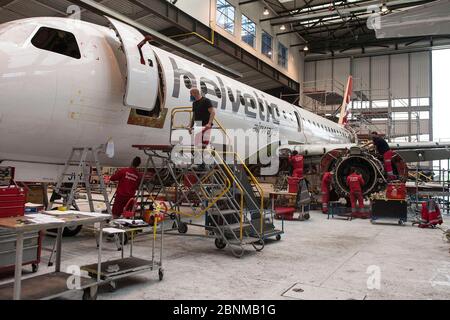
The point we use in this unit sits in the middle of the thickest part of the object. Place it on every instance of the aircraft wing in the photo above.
(422, 151)
(409, 151)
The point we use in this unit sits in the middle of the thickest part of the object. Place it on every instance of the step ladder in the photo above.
(77, 167)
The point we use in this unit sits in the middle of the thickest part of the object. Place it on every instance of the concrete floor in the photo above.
(317, 259)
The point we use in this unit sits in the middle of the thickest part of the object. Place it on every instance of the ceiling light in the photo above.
(283, 27)
(266, 11)
(384, 8)
(306, 48)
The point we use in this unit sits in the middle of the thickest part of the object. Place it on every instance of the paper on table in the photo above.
(33, 205)
(89, 214)
(42, 218)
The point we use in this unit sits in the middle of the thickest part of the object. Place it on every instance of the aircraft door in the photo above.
(142, 68)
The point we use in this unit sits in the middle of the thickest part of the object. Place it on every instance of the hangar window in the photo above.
(248, 31)
(225, 15)
(282, 55)
(57, 41)
(230, 95)
(266, 44)
(187, 82)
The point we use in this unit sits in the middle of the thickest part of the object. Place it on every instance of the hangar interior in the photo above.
(336, 71)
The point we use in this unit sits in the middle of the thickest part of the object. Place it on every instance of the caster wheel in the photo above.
(90, 294)
(35, 267)
(220, 244)
(278, 237)
(161, 274)
(401, 222)
(183, 228)
(258, 245)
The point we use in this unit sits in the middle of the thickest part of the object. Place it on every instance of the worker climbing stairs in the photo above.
(220, 195)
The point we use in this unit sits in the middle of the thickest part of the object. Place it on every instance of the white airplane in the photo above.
(67, 83)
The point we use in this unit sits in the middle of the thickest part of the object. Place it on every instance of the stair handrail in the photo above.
(188, 110)
(256, 183)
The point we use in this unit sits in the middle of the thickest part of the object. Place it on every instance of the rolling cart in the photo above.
(125, 267)
(54, 284)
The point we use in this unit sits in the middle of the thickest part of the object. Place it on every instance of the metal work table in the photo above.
(54, 284)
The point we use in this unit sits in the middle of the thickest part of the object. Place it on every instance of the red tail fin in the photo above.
(347, 98)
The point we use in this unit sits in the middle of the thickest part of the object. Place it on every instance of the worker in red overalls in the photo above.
(128, 182)
(326, 188)
(296, 161)
(355, 182)
(383, 149)
(430, 214)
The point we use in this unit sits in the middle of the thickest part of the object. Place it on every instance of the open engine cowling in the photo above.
(371, 168)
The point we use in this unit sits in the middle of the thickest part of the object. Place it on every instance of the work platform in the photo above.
(220, 188)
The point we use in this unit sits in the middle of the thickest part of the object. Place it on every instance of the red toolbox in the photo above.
(396, 191)
(12, 201)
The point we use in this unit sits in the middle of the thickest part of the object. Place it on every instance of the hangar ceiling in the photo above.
(340, 28)
(165, 18)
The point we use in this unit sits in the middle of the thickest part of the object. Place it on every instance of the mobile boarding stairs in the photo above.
(225, 193)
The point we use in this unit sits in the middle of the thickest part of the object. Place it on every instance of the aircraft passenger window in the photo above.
(230, 95)
(278, 112)
(284, 114)
(253, 104)
(261, 106)
(57, 41)
(187, 82)
(204, 88)
(218, 93)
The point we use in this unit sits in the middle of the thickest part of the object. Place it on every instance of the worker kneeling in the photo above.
(355, 182)
(326, 188)
(296, 161)
(128, 182)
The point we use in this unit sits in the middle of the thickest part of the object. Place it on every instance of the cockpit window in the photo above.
(57, 41)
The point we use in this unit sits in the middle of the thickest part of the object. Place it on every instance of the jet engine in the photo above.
(369, 165)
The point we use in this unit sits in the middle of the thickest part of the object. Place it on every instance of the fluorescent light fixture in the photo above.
(283, 27)
(266, 11)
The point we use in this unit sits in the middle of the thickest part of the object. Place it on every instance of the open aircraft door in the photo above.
(142, 68)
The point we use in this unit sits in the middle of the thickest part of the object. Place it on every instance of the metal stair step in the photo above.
(224, 212)
(237, 226)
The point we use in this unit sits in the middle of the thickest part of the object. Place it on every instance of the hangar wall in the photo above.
(397, 87)
(205, 12)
